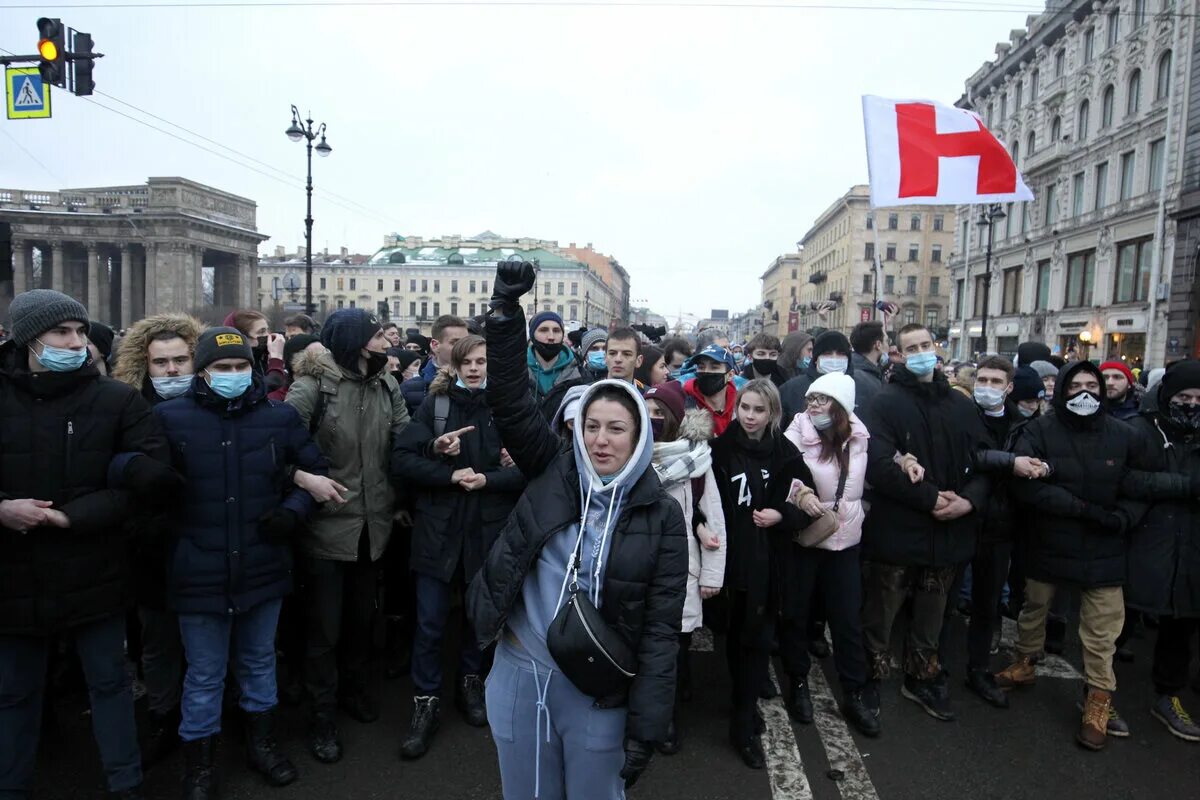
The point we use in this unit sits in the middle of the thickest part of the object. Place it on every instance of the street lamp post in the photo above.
(987, 219)
(297, 131)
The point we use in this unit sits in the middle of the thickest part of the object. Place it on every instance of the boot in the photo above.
(799, 705)
(749, 749)
(1093, 731)
(424, 726)
(359, 706)
(927, 695)
(671, 745)
(470, 701)
(162, 737)
(859, 714)
(324, 742)
(200, 775)
(981, 682)
(1019, 673)
(262, 752)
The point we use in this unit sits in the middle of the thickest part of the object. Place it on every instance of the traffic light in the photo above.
(81, 68)
(52, 50)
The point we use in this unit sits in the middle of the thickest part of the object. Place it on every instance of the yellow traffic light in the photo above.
(48, 50)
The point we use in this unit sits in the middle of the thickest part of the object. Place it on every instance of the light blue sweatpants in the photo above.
(553, 743)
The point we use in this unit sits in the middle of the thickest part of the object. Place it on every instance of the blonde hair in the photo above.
(765, 389)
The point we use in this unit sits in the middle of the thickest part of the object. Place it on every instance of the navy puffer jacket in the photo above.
(235, 456)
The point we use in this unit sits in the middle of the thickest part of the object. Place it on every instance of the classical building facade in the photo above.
(418, 280)
(1086, 99)
(836, 261)
(1183, 327)
(128, 251)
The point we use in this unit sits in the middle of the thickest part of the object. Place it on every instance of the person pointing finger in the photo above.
(449, 444)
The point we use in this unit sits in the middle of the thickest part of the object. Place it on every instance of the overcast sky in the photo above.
(694, 144)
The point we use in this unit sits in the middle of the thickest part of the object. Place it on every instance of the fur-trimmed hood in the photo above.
(133, 351)
(697, 426)
(316, 364)
(441, 383)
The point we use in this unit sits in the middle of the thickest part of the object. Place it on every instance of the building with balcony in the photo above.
(412, 281)
(836, 260)
(1085, 99)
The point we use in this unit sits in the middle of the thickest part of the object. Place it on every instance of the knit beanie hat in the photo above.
(101, 335)
(422, 342)
(1120, 366)
(347, 332)
(405, 357)
(1029, 352)
(545, 316)
(1179, 376)
(837, 385)
(34, 312)
(1044, 369)
(670, 394)
(591, 337)
(296, 345)
(217, 343)
(1027, 385)
(829, 342)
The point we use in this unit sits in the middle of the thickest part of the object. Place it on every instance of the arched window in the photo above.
(1016, 153)
(1106, 107)
(455, 258)
(1031, 144)
(1133, 95)
(1162, 81)
(1055, 130)
(396, 258)
(1081, 126)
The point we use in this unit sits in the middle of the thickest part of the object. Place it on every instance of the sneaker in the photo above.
(1019, 673)
(1093, 732)
(799, 705)
(982, 683)
(860, 715)
(927, 695)
(1117, 726)
(425, 722)
(1168, 710)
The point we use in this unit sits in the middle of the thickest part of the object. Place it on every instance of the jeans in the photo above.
(433, 609)
(832, 578)
(887, 587)
(101, 648)
(206, 639)
(1101, 615)
(1173, 653)
(162, 659)
(340, 603)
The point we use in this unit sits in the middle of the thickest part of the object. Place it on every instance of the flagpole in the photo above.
(878, 268)
(967, 283)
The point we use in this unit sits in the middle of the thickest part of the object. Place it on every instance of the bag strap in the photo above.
(318, 413)
(842, 472)
(441, 413)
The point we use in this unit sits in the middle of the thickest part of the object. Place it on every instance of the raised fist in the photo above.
(513, 280)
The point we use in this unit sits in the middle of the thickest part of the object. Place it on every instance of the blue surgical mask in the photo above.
(921, 364)
(804, 362)
(170, 386)
(830, 364)
(821, 421)
(1026, 412)
(230, 385)
(884, 358)
(460, 384)
(60, 359)
(739, 358)
(595, 360)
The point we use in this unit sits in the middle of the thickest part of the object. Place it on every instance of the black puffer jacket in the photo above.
(999, 514)
(451, 524)
(645, 576)
(942, 429)
(1164, 551)
(59, 433)
(1068, 540)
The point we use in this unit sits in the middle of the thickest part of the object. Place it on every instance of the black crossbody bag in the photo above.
(591, 654)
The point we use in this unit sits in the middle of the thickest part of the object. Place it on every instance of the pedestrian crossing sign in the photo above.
(28, 96)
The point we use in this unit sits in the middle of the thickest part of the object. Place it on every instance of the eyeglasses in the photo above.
(814, 400)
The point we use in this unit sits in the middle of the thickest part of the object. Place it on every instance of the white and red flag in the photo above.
(924, 153)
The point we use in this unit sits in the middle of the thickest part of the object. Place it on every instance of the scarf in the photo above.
(681, 460)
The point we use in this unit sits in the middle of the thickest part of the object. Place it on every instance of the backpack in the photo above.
(441, 412)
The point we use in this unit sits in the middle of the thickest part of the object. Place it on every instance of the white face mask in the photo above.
(989, 397)
(830, 364)
(1083, 404)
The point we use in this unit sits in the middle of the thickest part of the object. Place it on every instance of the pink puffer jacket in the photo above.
(804, 435)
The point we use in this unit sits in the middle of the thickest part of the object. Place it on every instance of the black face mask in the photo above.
(710, 384)
(261, 344)
(765, 366)
(1184, 417)
(548, 352)
(656, 426)
(376, 362)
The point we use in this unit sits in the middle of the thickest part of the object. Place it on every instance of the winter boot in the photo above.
(470, 701)
(1093, 730)
(262, 752)
(1117, 726)
(1168, 710)
(161, 737)
(1019, 673)
(982, 683)
(859, 714)
(424, 725)
(929, 697)
(748, 748)
(200, 772)
(324, 742)
(799, 704)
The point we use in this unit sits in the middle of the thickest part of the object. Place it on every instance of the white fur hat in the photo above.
(837, 385)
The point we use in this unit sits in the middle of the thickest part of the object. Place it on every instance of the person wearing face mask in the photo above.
(268, 347)
(592, 348)
(155, 358)
(739, 355)
(354, 408)
(1164, 569)
(66, 567)
(450, 456)
(795, 354)
(683, 461)
(594, 523)
(712, 390)
(676, 353)
(870, 356)
(553, 366)
(917, 534)
(763, 359)
(831, 354)
(1077, 538)
(230, 566)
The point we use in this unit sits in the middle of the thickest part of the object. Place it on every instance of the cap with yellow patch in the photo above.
(218, 343)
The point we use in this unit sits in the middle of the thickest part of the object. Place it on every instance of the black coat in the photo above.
(999, 514)
(1089, 458)
(942, 429)
(645, 576)
(1164, 552)
(451, 525)
(59, 433)
(235, 458)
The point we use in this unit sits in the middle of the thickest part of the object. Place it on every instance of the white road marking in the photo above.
(1051, 666)
(840, 747)
(784, 767)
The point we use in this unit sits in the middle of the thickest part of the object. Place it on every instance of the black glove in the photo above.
(637, 758)
(152, 479)
(277, 526)
(513, 281)
(1103, 517)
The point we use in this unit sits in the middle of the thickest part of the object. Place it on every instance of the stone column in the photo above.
(93, 281)
(150, 280)
(107, 313)
(198, 277)
(21, 266)
(58, 266)
(247, 271)
(125, 316)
